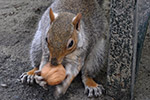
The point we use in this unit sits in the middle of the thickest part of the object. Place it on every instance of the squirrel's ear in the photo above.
(76, 21)
(51, 15)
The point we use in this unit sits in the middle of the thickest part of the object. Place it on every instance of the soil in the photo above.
(18, 22)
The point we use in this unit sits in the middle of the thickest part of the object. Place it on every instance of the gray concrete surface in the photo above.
(142, 86)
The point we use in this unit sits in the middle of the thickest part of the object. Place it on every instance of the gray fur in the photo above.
(90, 52)
(95, 60)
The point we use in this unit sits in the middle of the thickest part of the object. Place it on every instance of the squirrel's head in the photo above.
(62, 37)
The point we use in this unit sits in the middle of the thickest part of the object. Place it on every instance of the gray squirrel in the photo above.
(72, 33)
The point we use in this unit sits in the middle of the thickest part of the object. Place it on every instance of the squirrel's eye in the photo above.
(46, 39)
(70, 43)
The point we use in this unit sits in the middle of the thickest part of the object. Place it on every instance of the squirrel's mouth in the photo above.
(56, 62)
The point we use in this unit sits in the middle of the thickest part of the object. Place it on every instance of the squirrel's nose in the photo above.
(54, 62)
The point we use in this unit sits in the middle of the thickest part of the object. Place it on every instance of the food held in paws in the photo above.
(53, 74)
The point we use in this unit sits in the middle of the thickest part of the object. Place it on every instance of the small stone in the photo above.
(17, 80)
(16, 97)
(4, 85)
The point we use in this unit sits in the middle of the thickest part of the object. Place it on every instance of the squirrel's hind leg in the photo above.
(91, 87)
(93, 63)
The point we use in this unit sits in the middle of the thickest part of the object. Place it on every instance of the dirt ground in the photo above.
(18, 21)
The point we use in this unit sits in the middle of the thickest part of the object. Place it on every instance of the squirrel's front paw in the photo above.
(25, 78)
(40, 80)
(28, 77)
(58, 92)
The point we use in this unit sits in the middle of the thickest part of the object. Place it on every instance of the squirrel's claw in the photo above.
(40, 80)
(25, 78)
(38, 72)
(94, 91)
(30, 79)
